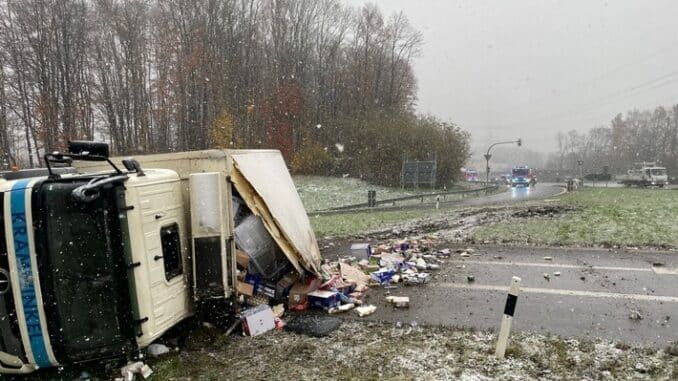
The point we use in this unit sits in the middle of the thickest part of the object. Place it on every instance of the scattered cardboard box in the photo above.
(258, 320)
(246, 289)
(361, 250)
(284, 285)
(323, 299)
(300, 290)
(352, 274)
(242, 258)
(266, 289)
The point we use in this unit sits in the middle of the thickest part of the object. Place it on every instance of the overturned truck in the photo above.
(97, 261)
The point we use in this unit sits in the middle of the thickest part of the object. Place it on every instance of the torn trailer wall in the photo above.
(262, 180)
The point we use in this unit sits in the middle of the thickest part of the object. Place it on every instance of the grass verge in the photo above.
(601, 216)
(318, 193)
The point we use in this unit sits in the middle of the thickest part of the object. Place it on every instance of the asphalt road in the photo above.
(513, 195)
(599, 293)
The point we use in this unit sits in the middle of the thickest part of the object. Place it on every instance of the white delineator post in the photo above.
(509, 309)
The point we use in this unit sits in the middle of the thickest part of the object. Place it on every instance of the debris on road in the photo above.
(399, 301)
(156, 350)
(257, 320)
(635, 315)
(470, 278)
(313, 325)
(547, 276)
(340, 285)
(365, 310)
(130, 370)
(341, 308)
(548, 258)
(556, 273)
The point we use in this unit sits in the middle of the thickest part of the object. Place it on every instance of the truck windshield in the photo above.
(523, 172)
(82, 272)
(658, 172)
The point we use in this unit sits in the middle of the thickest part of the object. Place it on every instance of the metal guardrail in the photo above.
(365, 206)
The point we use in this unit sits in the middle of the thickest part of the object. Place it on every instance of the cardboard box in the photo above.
(300, 291)
(345, 287)
(242, 258)
(257, 320)
(253, 279)
(361, 250)
(245, 289)
(266, 289)
(284, 285)
(323, 299)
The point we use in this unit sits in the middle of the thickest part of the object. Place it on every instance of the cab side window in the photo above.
(171, 250)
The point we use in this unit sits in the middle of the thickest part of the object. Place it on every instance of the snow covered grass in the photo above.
(602, 216)
(365, 350)
(318, 192)
(376, 351)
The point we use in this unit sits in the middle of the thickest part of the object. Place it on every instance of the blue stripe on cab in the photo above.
(25, 271)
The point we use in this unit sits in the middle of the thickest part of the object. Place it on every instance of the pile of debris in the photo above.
(267, 284)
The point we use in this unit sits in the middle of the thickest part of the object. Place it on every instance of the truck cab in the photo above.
(645, 174)
(656, 176)
(91, 266)
(520, 177)
(97, 262)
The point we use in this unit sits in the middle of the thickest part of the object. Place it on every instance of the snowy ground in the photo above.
(370, 351)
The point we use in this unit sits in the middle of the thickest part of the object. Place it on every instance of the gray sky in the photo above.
(505, 69)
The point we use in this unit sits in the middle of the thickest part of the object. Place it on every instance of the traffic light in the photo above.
(520, 142)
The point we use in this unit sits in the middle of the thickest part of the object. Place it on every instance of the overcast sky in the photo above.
(505, 69)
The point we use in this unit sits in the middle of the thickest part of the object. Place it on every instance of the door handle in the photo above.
(157, 257)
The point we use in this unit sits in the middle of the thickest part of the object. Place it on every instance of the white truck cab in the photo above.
(97, 263)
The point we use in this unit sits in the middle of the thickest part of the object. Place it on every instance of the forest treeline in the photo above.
(331, 86)
(639, 136)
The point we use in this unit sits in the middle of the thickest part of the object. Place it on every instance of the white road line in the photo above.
(556, 265)
(553, 291)
(664, 270)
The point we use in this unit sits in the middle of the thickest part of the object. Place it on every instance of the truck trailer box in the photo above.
(262, 180)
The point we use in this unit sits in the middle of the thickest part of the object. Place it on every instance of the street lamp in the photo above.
(488, 156)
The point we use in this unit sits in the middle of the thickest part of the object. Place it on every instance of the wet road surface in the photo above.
(627, 296)
(512, 195)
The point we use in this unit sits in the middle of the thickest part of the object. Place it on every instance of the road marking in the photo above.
(561, 266)
(554, 291)
(664, 270)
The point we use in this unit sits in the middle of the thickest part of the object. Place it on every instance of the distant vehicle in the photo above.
(522, 177)
(644, 175)
(471, 175)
